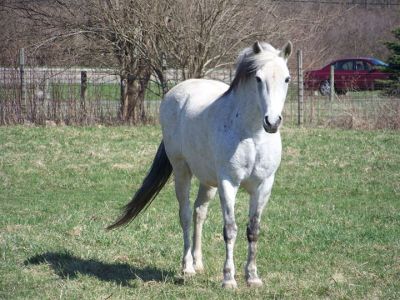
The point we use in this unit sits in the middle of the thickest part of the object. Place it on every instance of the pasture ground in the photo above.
(331, 229)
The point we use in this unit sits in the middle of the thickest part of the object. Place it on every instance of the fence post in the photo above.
(83, 92)
(123, 92)
(22, 78)
(332, 83)
(300, 87)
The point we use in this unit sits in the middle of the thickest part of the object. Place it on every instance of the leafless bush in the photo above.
(384, 114)
(388, 115)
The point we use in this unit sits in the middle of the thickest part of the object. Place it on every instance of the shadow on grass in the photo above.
(69, 266)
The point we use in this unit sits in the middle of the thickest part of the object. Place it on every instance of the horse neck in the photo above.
(247, 112)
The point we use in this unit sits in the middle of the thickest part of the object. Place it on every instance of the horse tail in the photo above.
(152, 184)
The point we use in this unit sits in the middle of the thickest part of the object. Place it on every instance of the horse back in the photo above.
(187, 103)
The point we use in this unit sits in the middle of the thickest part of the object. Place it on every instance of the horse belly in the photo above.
(198, 153)
(203, 171)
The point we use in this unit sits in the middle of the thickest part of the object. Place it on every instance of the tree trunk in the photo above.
(132, 97)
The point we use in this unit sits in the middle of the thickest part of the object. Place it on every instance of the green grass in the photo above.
(331, 229)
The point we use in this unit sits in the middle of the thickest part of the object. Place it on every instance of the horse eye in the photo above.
(258, 79)
(287, 79)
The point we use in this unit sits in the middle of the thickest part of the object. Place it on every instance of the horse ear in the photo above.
(287, 50)
(257, 48)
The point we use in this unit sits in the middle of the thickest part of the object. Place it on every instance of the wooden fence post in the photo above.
(22, 81)
(300, 88)
(123, 91)
(332, 83)
(83, 92)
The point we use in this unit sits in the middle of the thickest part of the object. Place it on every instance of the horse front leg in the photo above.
(258, 199)
(227, 193)
(199, 215)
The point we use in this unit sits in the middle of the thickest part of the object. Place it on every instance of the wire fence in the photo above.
(39, 95)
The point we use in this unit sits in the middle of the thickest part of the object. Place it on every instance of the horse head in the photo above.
(263, 69)
(272, 78)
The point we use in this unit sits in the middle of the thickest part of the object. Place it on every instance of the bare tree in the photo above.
(200, 35)
(108, 29)
(142, 37)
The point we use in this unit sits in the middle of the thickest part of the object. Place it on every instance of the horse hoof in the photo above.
(254, 282)
(229, 284)
(189, 272)
(199, 268)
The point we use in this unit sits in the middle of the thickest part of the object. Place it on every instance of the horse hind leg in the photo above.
(183, 177)
(205, 194)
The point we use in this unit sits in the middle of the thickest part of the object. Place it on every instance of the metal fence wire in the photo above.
(82, 96)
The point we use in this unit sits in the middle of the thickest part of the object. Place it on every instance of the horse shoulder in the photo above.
(249, 160)
(268, 156)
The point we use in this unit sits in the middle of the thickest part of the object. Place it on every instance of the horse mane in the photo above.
(249, 62)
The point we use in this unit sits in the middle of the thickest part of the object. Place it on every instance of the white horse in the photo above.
(226, 136)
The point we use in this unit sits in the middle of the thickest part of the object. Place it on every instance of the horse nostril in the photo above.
(266, 121)
(279, 120)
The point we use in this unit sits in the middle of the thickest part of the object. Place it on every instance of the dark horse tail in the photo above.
(152, 184)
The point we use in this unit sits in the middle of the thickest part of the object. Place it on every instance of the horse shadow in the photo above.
(66, 265)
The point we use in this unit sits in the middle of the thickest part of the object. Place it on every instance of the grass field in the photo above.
(330, 231)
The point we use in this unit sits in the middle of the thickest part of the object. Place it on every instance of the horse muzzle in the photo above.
(271, 127)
